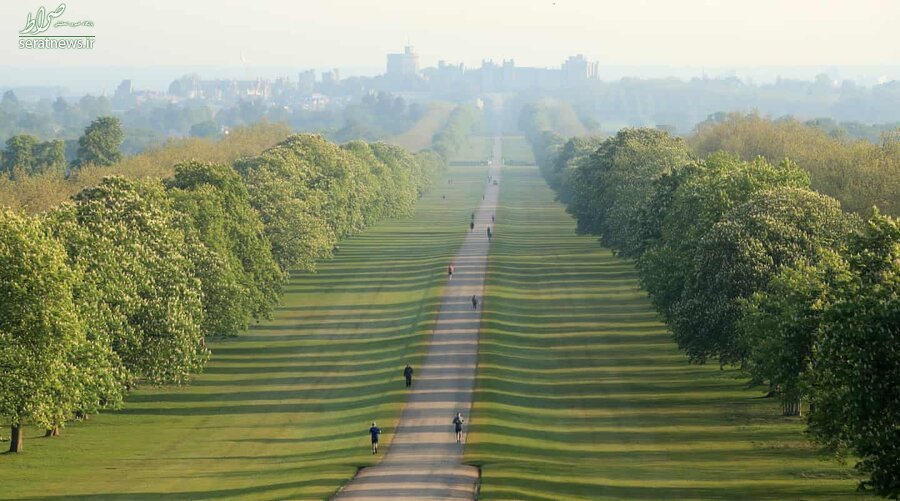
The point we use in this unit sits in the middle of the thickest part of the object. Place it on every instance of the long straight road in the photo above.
(424, 461)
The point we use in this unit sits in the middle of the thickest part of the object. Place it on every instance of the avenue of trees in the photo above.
(122, 284)
(749, 266)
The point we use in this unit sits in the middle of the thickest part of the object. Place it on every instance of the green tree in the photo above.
(140, 291)
(207, 129)
(241, 280)
(50, 156)
(855, 398)
(613, 185)
(19, 154)
(701, 195)
(738, 256)
(100, 143)
(782, 323)
(38, 327)
(561, 173)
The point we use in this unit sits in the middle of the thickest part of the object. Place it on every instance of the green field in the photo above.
(283, 410)
(478, 149)
(581, 394)
(517, 149)
(418, 137)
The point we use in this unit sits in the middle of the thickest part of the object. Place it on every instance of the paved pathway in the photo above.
(424, 461)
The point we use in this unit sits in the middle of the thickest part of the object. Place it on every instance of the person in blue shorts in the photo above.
(374, 431)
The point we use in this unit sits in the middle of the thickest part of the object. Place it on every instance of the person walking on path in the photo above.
(374, 431)
(493, 218)
(474, 302)
(450, 270)
(407, 373)
(457, 426)
(489, 233)
(472, 226)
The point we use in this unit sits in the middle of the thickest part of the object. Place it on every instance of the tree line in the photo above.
(857, 172)
(749, 266)
(123, 283)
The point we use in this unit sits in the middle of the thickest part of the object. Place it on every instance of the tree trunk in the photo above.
(52, 432)
(791, 408)
(17, 439)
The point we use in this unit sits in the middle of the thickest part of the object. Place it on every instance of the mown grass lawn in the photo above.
(581, 394)
(282, 411)
(419, 136)
(517, 149)
(478, 149)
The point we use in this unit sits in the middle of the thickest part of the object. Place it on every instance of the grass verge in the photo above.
(283, 410)
(581, 393)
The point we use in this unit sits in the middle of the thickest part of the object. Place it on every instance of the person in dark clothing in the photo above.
(489, 233)
(493, 218)
(473, 216)
(374, 431)
(472, 226)
(457, 426)
(407, 373)
(474, 302)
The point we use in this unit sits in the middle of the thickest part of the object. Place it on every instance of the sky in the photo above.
(356, 34)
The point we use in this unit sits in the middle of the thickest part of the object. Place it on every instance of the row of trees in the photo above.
(123, 284)
(750, 267)
(456, 131)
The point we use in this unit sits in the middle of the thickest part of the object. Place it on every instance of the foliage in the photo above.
(858, 173)
(100, 143)
(751, 267)
(456, 131)
(240, 277)
(39, 330)
(140, 289)
(24, 154)
(705, 193)
(739, 255)
(610, 188)
(855, 398)
(42, 192)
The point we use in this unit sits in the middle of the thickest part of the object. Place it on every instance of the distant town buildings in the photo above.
(306, 81)
(404, 64)
(403, 77)
(332, 77)
(577, 69)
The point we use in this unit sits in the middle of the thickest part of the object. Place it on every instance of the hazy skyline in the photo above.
(358, 34)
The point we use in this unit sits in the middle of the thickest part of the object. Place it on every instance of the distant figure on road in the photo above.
(374, 431)
(473, 216)
(457, 426)
(450, 270)
(474, 302)
(472, 226)
(489, 233)
(493, 218)
(407, 373)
